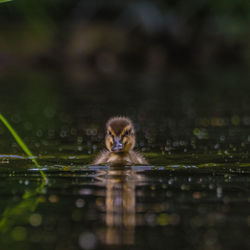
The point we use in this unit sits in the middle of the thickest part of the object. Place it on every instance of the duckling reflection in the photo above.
(120, 204)
(120, 141)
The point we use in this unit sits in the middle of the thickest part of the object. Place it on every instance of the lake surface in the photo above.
(192, 126)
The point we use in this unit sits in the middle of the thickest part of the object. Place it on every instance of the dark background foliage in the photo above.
(179, 69)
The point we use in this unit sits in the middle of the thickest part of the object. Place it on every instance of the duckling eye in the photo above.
(109, 133)
(127, 132)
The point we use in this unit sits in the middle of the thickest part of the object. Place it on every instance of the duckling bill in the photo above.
(120, 141)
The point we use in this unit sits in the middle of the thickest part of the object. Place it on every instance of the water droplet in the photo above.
(87, 240)
(35, 220)
(19, 233)
(219, 192)
(80, 203)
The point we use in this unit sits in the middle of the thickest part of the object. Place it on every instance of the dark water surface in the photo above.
(192, 126)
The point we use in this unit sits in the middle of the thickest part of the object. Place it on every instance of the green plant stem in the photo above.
(22, 145)
(4, 1)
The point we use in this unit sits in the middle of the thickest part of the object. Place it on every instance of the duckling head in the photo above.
(120, 135)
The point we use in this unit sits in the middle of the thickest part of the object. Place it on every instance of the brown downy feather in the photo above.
(120, 129)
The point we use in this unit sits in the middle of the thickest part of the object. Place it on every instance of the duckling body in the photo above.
(120, 141)
(130, 158)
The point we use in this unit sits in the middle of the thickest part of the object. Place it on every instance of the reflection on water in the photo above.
(120, 204)
(20, 211)
(101, 207)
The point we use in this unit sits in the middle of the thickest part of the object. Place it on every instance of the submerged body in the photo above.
(120, 141)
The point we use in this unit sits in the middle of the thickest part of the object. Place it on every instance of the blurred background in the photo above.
(179, 69)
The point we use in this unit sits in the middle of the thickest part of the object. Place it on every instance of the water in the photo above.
(83, 207)
(193, 128)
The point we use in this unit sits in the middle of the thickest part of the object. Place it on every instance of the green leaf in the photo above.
(4, 1)
(22, 144)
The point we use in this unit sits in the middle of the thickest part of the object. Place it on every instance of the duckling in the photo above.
(120, 141)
